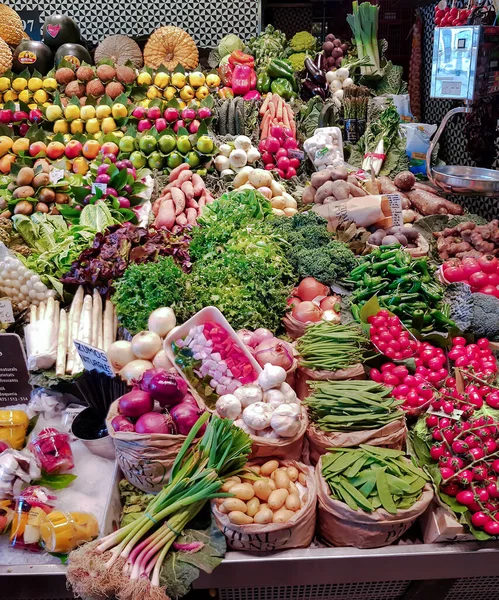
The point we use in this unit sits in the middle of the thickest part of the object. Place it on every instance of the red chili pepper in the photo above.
(240, 58)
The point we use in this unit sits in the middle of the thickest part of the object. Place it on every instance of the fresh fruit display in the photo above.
(31, 507)
(368, 478)
(270, 493)
(53, 451)
(119, 49)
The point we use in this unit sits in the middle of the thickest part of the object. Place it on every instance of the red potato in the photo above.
(188, 189)
(308, 195)
(178, 198)
(181, 219)
(166, 215)
(177, 170)
(191, 214)
(198, 185)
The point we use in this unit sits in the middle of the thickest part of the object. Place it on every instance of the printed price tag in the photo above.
(94, 359)
(6, 312)
(56, 175)
(451, 88)
(396, 209)
(99, 186)
(14, 377)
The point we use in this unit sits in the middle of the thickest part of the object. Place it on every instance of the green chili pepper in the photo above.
(427, 319)
(431, 293)
(279, 68)
(367, 280)
(382, 265)
(397, 270)
(422, 265)
(417, 319)
(386, 254)
(415, 287)
(441, 319)
(358, 272)
(355, 310)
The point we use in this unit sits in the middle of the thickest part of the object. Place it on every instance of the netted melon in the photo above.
(120, 49)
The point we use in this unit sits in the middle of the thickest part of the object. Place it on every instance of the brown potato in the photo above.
(340, 190)
(308, 195)
(320, 178)
(356, 191)
(25, 176)
(23, 208)
(41, 207)
(61, 198)
(338, 173)
(25, 191)
(54, 210)
(42, 179)
(46, 195)
(327, 189)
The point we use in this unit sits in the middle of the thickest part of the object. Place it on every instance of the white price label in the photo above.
(6, 312)
(94, 359)
(451, 88)
(56, 175)
(396, 209)
(99, 186)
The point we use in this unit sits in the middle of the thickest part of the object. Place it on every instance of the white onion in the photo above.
(162, 321)
(134, 370)
(146, 344)
(120, 354)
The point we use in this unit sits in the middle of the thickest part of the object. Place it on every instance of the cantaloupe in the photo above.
(120, 49)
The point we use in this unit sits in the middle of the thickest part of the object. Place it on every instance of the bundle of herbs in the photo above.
(129, 562)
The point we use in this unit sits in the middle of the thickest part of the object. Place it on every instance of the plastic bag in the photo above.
(325, 148)
(403, 105)
(416, 146)
(41, 344)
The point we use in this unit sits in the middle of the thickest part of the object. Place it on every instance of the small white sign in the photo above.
(6, 312)
(396, 209)
(56, 175)
(94, 359)
(99, 186)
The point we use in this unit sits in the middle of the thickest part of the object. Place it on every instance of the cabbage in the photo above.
(228, 44)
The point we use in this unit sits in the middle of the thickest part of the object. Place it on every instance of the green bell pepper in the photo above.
(263, 82)
(280, 68)
(282, 87)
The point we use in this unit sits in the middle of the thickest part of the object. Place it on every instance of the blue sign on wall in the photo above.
(32, 23)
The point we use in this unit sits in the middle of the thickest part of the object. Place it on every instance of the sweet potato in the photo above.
(181, 219)
(177, 170)
(166, 215)
(183, 177)
(178, 198)
(338, 173)
(192, 204)
(201, 204)
(156, 205)
(356, 191)
(320, 178)
(188, 189)
(340, 190)
(191, 214)
(308, 195)
(327, 189)
(427, 203)
(387, 185)
(198, 185)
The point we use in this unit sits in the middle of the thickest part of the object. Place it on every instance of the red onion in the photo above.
(276, 352)
(145, 380)
(121, 423)
(167, 388)
(153, 422)
(185, 415)
(262, 334)
(247, 337)
(136, 403)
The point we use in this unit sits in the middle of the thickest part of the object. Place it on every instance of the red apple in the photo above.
(6, 116)
(171, 115)
(154, 113)
(139, 112)
(73, 149)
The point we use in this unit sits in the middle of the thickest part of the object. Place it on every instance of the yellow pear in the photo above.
(161, 80)
(103, 111)
(178, 80)
(76, 126)
(72, 112)
(88, 112)
(108, 125)
(92, 126)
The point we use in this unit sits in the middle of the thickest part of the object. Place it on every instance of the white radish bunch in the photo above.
(236, 155)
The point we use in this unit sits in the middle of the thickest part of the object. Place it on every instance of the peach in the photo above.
(91, 149)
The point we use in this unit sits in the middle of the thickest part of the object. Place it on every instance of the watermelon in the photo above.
(73, 53)
(59, 30)
(33, 56)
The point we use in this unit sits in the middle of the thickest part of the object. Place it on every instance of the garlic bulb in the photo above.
(228, 407)
(286, 420)
(257, 416)
(242, 425)
(274, 398)
(289, 394)
(248, 394)
(271, 377)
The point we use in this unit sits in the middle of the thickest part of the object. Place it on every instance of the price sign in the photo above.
(6, 312)
(14, 377)
(94, 359)
(56, 175)
(396, 209)
(99, 186)
(31, 22)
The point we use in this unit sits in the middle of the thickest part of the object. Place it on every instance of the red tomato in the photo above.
(488, 263)
(470, 265)
(454, 274)
(479, 279)
(491, 290)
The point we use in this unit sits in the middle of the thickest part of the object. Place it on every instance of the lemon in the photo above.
(25, 96)
(35, 83)
(144, 79)
(50, 84)
(10, 96)
(4, 84)
(152, 93)
(40, 96)
(19, 84)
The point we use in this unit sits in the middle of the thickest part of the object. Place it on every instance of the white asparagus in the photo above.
(41, 311)
(73, 324)
(49, 311)
(100, 339)
(108, 325)
(115, 324)
(96, 318)
(84, 331)
(33, 314)
(62, 344)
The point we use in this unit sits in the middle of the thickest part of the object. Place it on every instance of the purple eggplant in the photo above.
(320, 62)
(312, 89)
(315, 74)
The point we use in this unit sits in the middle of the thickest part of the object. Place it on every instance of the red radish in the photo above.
(283, 163)
(272, 145)
(276, 132)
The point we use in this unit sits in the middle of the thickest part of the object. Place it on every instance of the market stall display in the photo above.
(274, 321)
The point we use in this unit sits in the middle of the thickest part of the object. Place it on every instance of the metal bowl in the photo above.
(470, 181)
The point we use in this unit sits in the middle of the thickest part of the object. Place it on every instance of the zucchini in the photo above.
(240, 122)
(222, 117)
(231, 125)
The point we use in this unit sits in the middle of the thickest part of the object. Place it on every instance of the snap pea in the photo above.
(370, 477)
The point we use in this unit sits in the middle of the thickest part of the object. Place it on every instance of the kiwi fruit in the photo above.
(95, 88)
(41, 166)
(25, 176)
(40, 180)
(46, 195)
(25, 191)
(75, 88)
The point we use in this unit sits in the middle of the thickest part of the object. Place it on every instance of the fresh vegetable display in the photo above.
(479, 273)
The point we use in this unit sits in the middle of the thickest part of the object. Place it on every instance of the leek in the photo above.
(364, 26)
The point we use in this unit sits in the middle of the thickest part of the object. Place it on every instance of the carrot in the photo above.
(285, 119)
(177, 170)
(191, 214)
(198, 185)
(183, 177)
(192, 203)
(188, 189)
(178, 198)
(265, 105)
(166, 216)
(272, 110)
(181, 219)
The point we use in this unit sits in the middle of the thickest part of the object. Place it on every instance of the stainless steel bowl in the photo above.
(470, 181)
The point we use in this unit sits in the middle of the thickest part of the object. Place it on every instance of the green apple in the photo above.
(155, 160)
(138, 160)
(193, 159)
(205, 144)
(127, 143)
(174, 160)
(184, 144)
(147, 144)
(167, 143)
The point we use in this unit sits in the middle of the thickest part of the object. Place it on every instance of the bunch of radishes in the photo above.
(236, 155)
(189, 118)
(280, 151)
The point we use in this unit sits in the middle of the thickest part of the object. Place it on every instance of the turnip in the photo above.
(238, 159)
(222, 163)
(242, 142)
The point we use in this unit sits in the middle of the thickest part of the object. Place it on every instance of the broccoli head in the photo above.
(485, 316)
(327, 264)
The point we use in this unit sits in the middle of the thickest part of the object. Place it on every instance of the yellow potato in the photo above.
(263, 516)
(228, 484)
(243, 491)
(253, 506)
(282, 516)
(278, 202)
(292, 473)
(293, 489)
(272, 484)
(293, 502)
(302, 478)
(231, 504)
(282, 480)
(269, 467)
(262, 490)
(277, 499)
(239, 518)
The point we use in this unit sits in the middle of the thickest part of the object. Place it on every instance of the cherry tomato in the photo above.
(459, 341)
(465, 497)
(479, 279)
(479, 519)
(491, 527)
